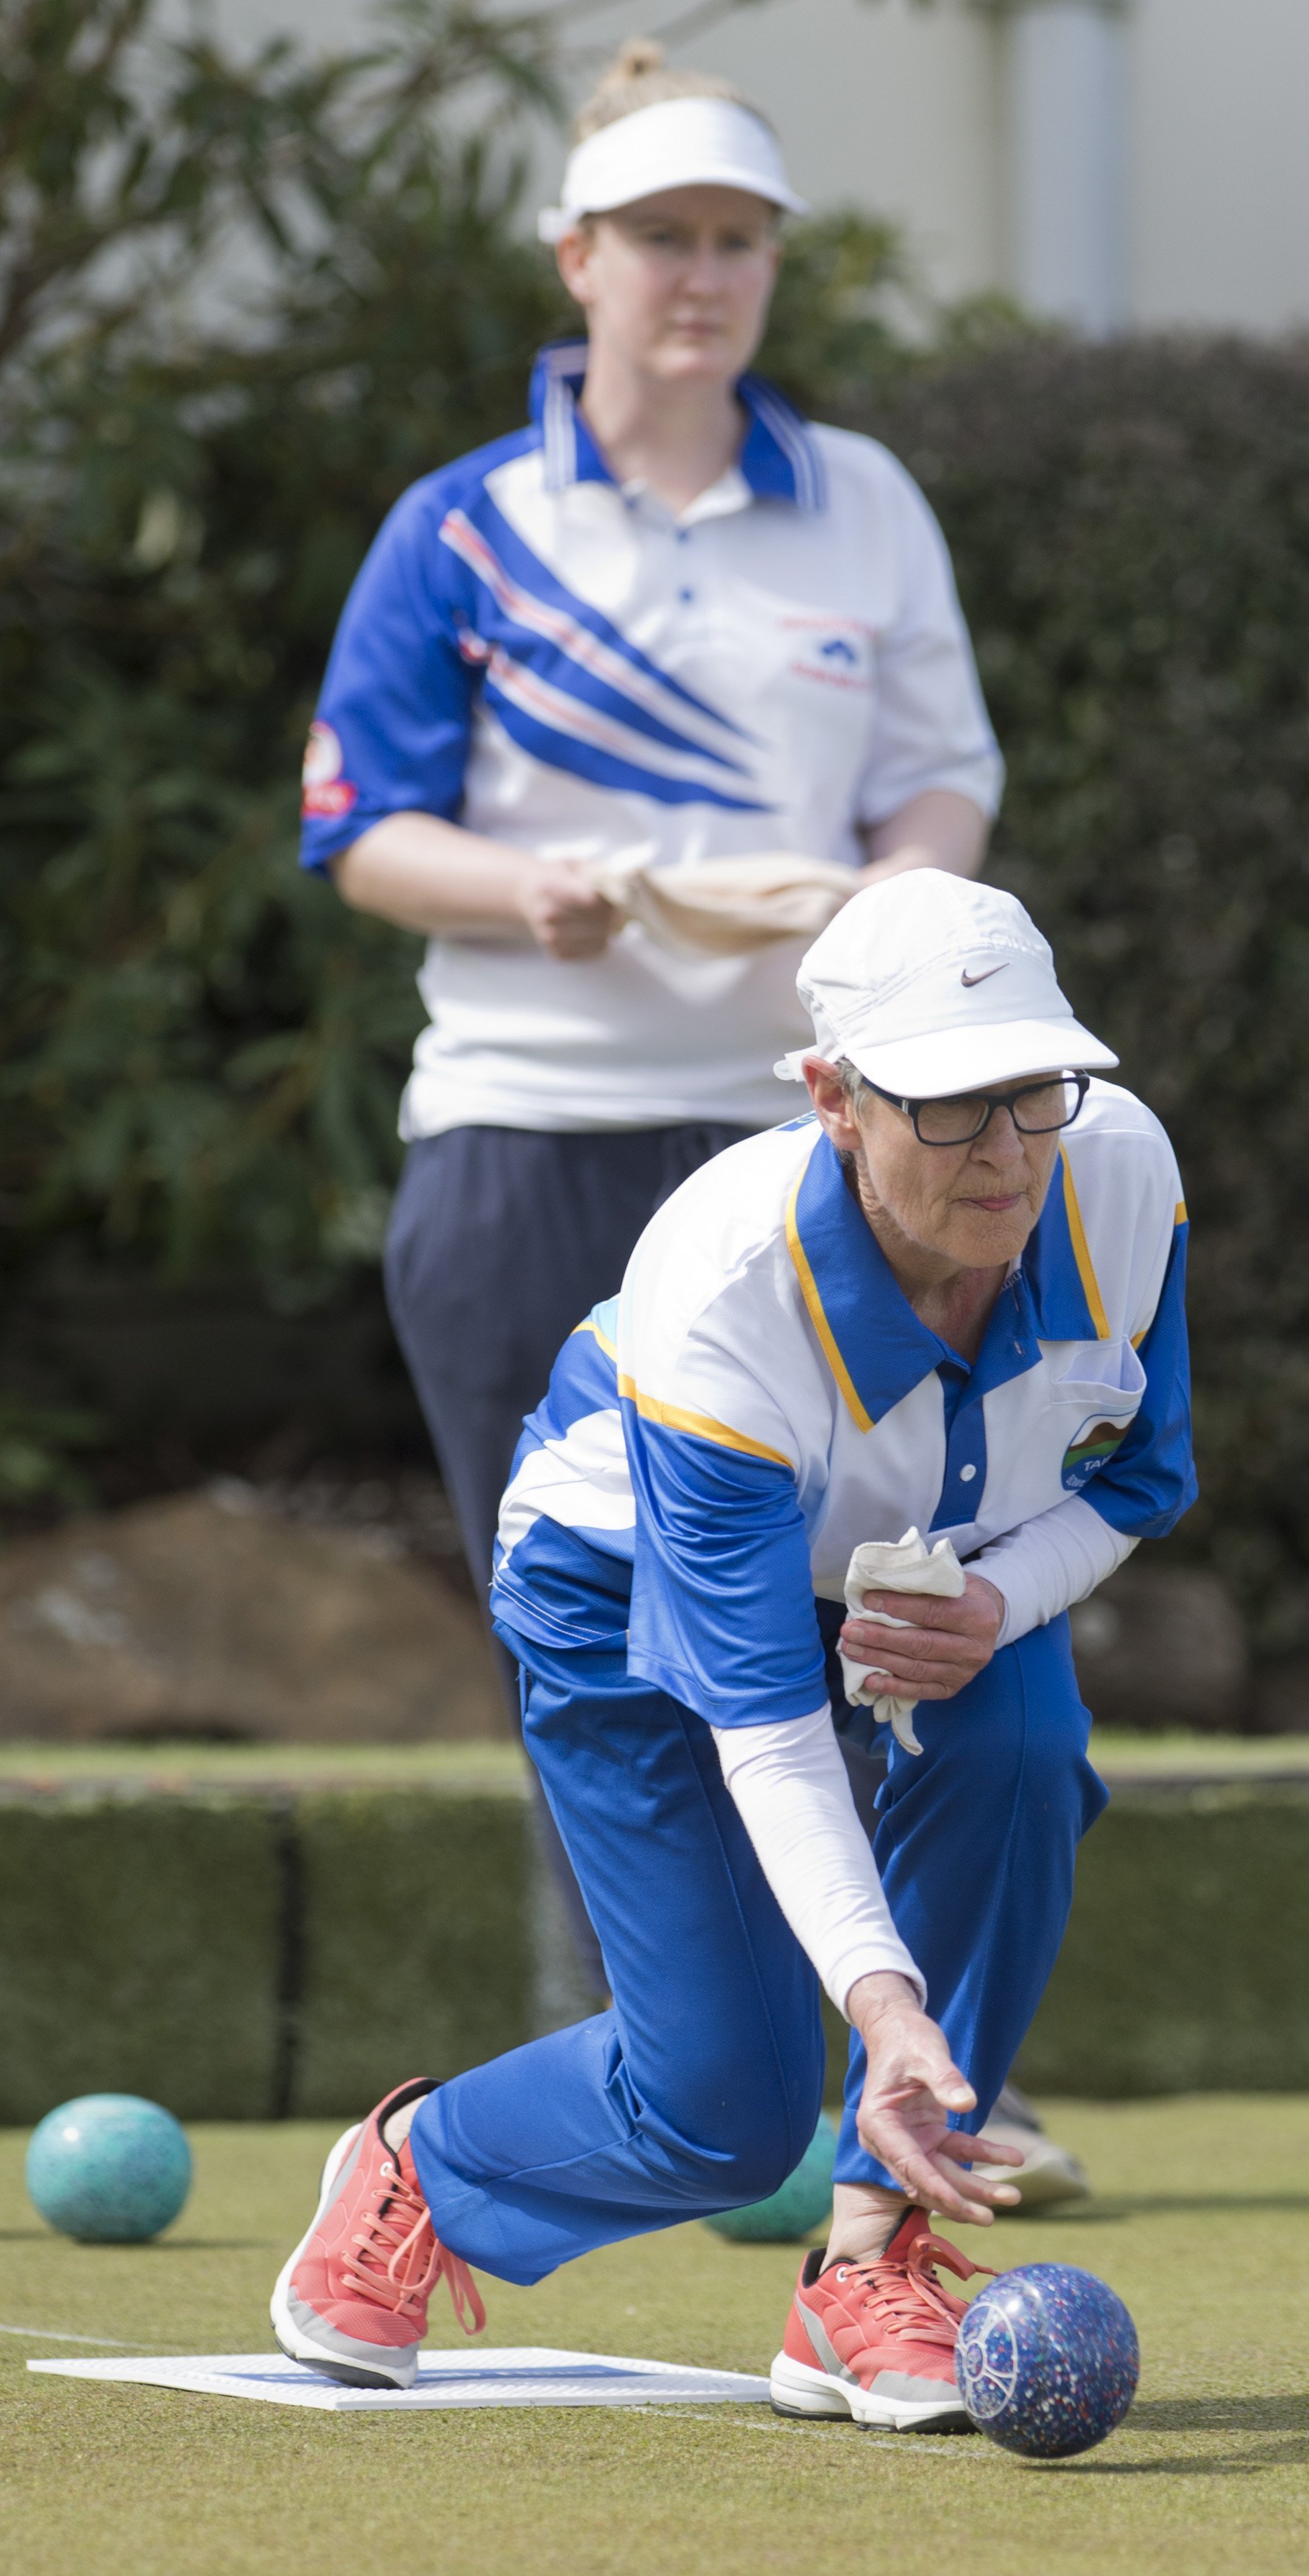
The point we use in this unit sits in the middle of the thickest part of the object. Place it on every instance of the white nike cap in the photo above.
(930, 984)
(677, 143)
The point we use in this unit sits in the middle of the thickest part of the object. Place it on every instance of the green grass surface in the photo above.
(135, 1770)
(1200, 2222)
(181, 1769)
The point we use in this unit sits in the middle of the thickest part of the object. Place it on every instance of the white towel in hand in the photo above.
(727, 907)
(894, 1565)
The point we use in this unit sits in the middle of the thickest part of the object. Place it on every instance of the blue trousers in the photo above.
(699, 2090)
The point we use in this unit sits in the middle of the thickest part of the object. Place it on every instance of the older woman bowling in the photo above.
(949, 1301)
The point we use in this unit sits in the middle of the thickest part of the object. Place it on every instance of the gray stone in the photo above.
(207, 1615)
(1162, 1646)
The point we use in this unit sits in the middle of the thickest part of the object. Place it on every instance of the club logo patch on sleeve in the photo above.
(326, 792)
(1089, 1449)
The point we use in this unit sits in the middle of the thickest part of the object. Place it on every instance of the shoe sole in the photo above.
(291, 2339)
(813, 2395)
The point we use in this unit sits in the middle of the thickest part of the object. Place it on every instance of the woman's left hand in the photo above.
(947, 1643)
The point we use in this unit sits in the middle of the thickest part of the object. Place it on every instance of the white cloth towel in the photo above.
(727, 907)
(899, 1565)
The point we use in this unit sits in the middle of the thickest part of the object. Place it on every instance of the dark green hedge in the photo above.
(138, 1951)
(1184, 1965)
(417, 1944)
(200, 1052)
(1130, 527)
(249, 1958)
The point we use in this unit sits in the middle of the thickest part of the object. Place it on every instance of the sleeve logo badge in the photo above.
(326, 793)
(1089, 1449)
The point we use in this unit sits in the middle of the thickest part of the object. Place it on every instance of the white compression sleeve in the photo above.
(790, 1785)
(1048, 1563)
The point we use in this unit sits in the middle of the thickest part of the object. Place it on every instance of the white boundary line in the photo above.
(58, 2334)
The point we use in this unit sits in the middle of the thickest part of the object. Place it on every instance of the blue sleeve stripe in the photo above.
(543, 698)
(699, 1426)
(561, 649)
(558, 734)
(1150, 1479)
(514, 574)
(1180, 1219)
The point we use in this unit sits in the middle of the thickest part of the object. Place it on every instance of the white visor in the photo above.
(930, 984)
(680, 143)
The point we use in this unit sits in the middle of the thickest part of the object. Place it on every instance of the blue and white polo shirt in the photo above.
(761, 1398)
(566, 666)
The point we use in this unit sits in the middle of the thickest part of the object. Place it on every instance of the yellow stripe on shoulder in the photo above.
(609, 1348)
(809, 1292)
(702, 1426)
(1082, 1255)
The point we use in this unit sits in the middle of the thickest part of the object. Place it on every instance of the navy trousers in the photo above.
(700, 2088)
(501, 1240)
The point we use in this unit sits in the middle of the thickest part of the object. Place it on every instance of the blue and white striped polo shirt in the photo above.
(761, 1398)
(570, 668)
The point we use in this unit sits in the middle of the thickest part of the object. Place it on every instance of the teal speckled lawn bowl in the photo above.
(109, 2168)
(803, 2203)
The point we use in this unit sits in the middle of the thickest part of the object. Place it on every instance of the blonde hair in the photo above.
(639, 77)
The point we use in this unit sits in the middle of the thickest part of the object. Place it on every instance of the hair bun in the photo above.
(639, 76)
(639, 55)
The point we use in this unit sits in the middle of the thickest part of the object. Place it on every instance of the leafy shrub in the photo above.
(199, 1050)
(1130, 528)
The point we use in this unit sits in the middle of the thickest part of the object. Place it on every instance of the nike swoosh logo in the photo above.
(985, 976)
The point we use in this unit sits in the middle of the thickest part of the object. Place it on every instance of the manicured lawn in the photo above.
(1202, 2224)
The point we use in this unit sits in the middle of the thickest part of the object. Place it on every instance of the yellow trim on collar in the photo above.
(1082, 1255)
(702, 1426)
(809, 1292)
(590, 1325)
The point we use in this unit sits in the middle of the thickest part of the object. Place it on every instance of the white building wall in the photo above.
(893, 106)
(1219, 184)
(933, 115)
(1063, 147)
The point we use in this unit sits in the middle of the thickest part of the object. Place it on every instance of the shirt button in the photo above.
(966, 1475)
(686, 596)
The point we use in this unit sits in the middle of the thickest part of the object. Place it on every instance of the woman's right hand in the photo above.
(566, 917)
(911, 2086)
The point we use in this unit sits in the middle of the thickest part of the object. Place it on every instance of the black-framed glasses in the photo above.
(1036, 1108)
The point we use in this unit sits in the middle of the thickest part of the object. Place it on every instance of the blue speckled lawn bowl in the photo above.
(109, 2168)
(1047, 2360)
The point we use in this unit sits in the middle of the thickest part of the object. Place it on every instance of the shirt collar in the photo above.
(779, 457)
(876, 1346)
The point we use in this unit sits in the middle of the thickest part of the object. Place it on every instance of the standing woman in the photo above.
(669, 622)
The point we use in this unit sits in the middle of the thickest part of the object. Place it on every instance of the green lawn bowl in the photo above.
(803, 2203)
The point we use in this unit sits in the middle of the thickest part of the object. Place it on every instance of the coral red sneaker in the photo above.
(876, 2340)
(352, 2301)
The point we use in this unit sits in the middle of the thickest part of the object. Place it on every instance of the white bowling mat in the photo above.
(508, 2377)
